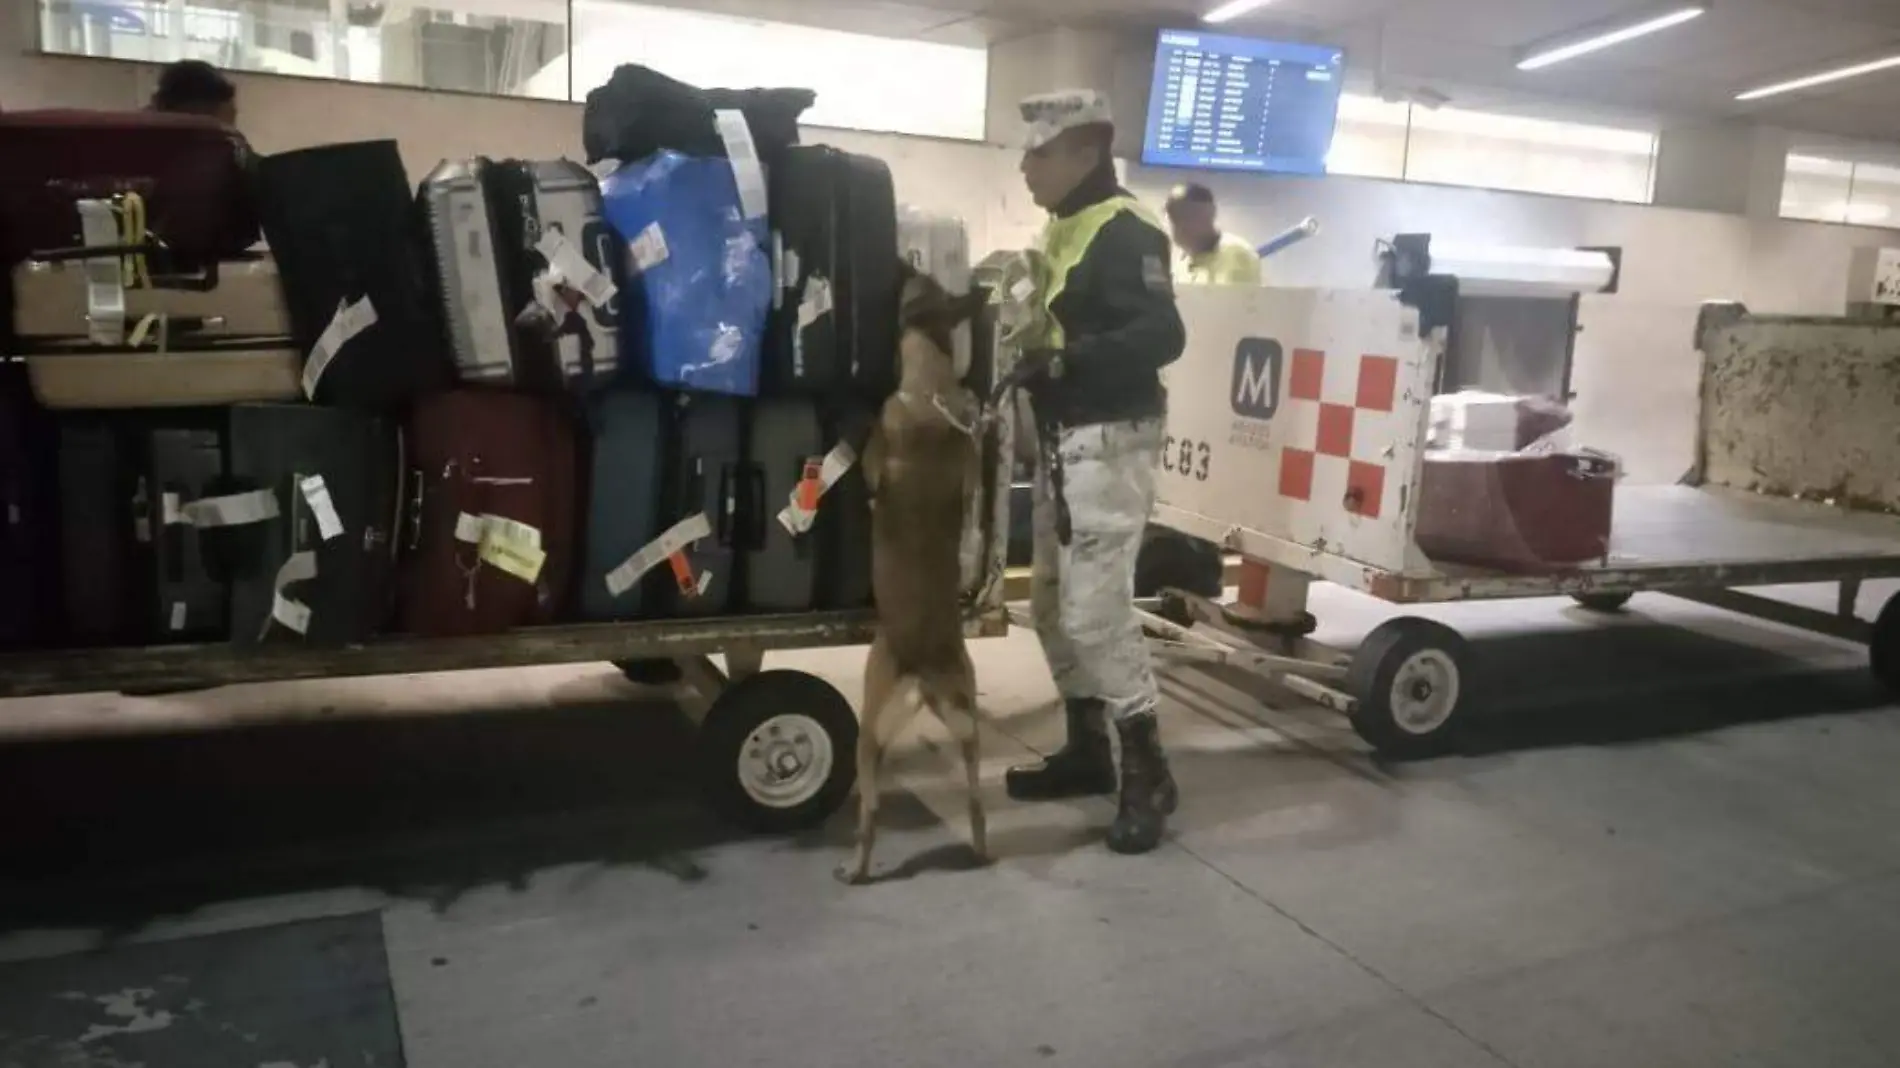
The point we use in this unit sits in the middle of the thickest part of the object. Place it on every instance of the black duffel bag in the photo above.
(641, 111)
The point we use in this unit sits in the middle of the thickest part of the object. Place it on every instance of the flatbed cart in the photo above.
(1297, 437)
(776, 748)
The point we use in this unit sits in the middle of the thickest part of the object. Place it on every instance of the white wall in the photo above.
(1636, 372)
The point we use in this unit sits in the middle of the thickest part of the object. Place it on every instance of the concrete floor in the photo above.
(1673, 840)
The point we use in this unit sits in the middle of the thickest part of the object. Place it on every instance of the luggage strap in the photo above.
(817, 479)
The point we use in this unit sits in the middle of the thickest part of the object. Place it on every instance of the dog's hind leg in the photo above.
(880, 686)
(972, 770)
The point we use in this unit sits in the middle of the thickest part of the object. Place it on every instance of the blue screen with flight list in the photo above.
(1236, 103)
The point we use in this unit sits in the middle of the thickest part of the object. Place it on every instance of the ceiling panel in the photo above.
(1469, 47)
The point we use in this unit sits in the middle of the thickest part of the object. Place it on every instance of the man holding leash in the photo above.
(1095, 385)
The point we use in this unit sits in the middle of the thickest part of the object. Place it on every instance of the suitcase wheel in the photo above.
(778, 752)
(1604, 603)
(1883, 645)
(1410, 679)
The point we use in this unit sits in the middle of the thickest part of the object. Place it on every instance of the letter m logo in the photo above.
(1257, 363)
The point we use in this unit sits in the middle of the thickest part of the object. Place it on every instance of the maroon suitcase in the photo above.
(479, 458)
(1516, 512)
(192, 172)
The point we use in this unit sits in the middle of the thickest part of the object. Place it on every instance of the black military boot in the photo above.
(1083, 767)
(1148, 793)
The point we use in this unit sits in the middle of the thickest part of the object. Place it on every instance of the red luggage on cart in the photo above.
(493, 513)
(193, 174)
(1516, 511)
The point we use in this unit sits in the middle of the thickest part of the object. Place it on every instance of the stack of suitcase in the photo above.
(436, 411)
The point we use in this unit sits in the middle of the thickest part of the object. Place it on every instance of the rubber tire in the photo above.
(738, 712)
(1602, 603)
(1883, 646)
(1374, 668)
(659, 672)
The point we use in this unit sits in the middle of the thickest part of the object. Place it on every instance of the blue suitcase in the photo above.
(630, 437)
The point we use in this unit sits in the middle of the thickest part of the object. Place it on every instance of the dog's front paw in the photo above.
(851, 876)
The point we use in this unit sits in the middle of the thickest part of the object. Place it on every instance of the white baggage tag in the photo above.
(170, 511)
(797, 517)
(237, 510)
(574, 270)
(816, 303)
(178, 615)
(105, 275)
(649, 250)
(670, 544)
(317, 494)
(292, 613)
(468, 528)
(349, 321)
(744, 154)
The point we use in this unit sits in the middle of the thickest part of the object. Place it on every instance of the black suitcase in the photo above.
(341, 223)
(188, 602)
(844, 522)
(29, 538)
(346, 521)
(640, 112)
(786, 445)
(106, 522)
(706, 478)
(631, 433)
(834, 326)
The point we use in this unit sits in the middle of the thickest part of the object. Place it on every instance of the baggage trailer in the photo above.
(776, 749)
(1297, 439)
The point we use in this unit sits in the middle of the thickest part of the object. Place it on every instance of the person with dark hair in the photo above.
(1208, 256)
(194, 87)
(1094, 381)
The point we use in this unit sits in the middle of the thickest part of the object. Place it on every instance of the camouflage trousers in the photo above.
(1083, 592)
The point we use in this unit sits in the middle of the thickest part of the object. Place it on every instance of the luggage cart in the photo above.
(1297, 439)
(776, 749)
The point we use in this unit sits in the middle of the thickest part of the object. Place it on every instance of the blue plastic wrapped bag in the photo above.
(699, 273)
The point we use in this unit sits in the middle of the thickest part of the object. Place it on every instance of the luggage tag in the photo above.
(744, 154)
(568, 269)
(819, 476)
(316, 494)
(287, 610)
(235, 510)
(508, 545)
(349, 321)
(817, 301)
(105, 275)
(649, 249)
(669, 548)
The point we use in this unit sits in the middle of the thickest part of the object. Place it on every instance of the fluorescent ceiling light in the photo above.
(1231, 10)
(1823, 78)
(1544, 56)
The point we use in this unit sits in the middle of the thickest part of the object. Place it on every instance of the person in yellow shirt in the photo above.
(1207, 256)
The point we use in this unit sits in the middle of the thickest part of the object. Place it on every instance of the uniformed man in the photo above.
(1208, 256)
(1096, 391)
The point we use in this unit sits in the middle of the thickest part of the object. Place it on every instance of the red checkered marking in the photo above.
(1335, 423)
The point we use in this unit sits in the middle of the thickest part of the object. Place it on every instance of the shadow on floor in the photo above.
(117, 832)
(1642, 681)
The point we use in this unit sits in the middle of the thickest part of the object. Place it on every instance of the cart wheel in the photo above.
(1409, 679)
(661, 672)
(1883, 647)
(778, 752)
(1606, 603)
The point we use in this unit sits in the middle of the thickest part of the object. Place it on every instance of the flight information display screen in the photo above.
(1237, 103)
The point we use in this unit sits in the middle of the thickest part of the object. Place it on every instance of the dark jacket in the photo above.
(1118, 318)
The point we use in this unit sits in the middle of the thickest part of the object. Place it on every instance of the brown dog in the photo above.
(922, 464)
